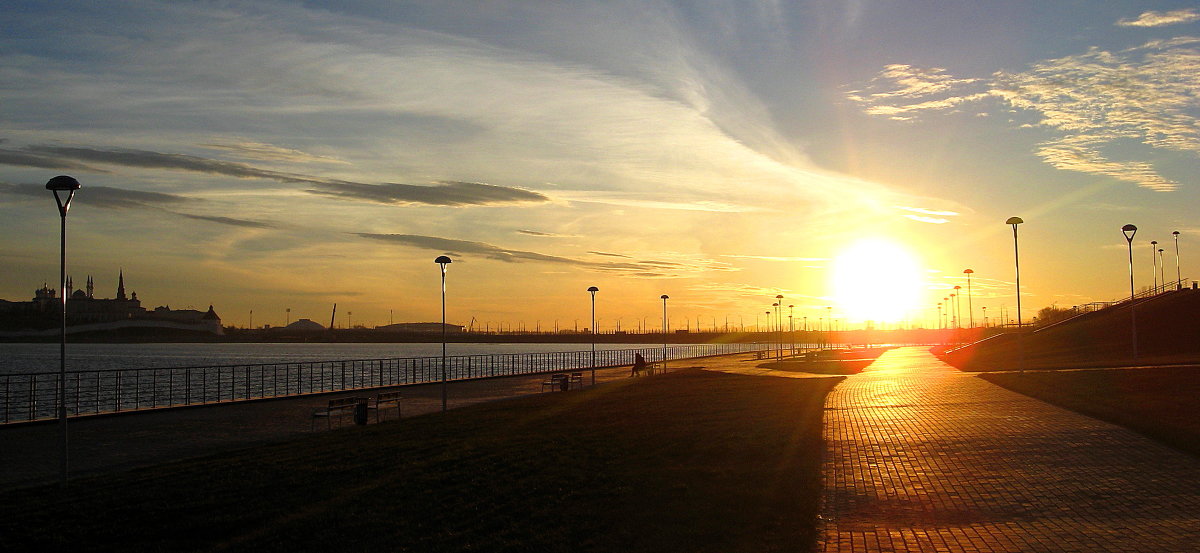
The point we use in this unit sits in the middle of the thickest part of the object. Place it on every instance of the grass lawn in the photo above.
(689, 461)
(1157, 402)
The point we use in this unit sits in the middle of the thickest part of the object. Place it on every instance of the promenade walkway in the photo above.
(922, 457)
(29, 453)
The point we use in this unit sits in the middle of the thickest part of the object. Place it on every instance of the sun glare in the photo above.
(877, 280)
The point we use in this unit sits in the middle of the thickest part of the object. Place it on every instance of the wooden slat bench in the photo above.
(336, 408)
(557, 382)
(385, 400)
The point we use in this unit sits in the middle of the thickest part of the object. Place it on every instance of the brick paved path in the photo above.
(921, 457)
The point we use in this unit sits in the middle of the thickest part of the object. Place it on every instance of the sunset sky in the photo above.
(273, 155)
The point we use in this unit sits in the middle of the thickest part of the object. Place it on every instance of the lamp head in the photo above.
(1014, 221)
(63, 182)
(1129, 231)
(442, 260)
(664, 297)
(1154, 242)
(968, 271)
(1175, 234)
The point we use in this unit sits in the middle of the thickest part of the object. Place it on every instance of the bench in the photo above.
(650, 368)
(337, 408)
(385, 400)
(575, 381)
(557, 382)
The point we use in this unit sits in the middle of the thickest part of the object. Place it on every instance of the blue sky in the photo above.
(274, 155)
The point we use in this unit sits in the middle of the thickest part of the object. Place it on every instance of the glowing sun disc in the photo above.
(877, 280)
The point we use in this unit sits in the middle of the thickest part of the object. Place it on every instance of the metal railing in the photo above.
(34, 396)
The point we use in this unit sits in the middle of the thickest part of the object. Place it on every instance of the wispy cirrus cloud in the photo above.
(774, 257)
(672, 266)
(1097, 103)
(105, 196)
(1162, 19)
(121, 198)
(271, 152)
(543, 234)
(442, 194)
(231, 221)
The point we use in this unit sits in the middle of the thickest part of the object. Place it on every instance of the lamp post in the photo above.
(1014, 221)
(287, 317)
(442, 261)
(592, 290)
(985, 319)
(1162, 277)
(1178, 278)
(1129, 231)
(957, 295)
(1154, 263)
(792, 330)
(68, 185)
(828, 326)
(666, 328)
(970, 307)
(779, 324)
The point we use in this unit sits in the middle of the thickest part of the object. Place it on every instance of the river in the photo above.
(16, 358)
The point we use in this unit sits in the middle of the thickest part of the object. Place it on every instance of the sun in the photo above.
(877, 280)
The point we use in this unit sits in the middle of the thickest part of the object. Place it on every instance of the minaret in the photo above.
(90, 284)
(70, 287)
(121, 285)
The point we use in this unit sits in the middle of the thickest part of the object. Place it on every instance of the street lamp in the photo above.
(68, 185)
(443, 260)
(1014, 221)
(970, 308)
(1154, 263)
(792, 330)
(957, 295)
(666, 328)
(1178, 278)
(1129, 231)
(1162, 277)
(592, 290)
(779, 324)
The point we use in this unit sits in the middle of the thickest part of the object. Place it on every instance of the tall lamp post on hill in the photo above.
(60, 185)
(1154, 263)
(1129, 231)
(1178, 278)
(970, 308)
(592, 290)
(443, 260)
(1014, 221)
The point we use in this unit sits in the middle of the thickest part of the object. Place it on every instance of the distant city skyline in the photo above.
(269, 155)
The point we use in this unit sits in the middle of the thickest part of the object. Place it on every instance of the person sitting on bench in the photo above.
(639, 364)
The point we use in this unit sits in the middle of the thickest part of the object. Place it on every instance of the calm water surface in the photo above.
(27, 358)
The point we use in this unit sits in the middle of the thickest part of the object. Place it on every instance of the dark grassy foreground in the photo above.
(1157, 402)
(690, 461)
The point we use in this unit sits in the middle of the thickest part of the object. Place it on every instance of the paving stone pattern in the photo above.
(922, 457)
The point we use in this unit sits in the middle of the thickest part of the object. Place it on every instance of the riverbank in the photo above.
(635, 464)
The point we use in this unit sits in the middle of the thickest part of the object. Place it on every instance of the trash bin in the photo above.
(360, 413)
